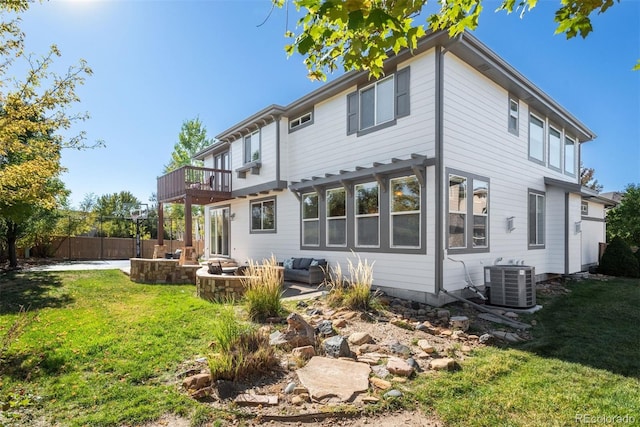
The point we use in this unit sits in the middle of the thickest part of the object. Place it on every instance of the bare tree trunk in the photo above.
(12, 237)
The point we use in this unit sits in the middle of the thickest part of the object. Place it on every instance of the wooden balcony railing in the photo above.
(203, 185)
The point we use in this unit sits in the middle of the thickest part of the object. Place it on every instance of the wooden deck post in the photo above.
(188, 232)
(160, 224)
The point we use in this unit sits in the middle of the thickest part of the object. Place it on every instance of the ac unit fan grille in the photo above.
(511, 286)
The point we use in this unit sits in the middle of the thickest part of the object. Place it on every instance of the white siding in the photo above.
(594, 232)
(574, 236)
(267, 159)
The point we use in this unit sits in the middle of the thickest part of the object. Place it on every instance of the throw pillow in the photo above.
(319, 262)
(288, 263)
(314, 263)
(305, 263)
(296, 263)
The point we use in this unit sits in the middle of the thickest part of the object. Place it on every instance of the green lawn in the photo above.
(104, 351)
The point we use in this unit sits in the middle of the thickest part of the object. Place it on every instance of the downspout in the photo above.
(439, 166)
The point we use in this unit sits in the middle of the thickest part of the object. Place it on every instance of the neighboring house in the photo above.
(452, 155)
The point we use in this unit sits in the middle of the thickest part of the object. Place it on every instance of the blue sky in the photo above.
(159, 63)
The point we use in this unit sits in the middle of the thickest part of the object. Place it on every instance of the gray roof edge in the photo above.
(518, 78)
(272, 110)
(200, 155)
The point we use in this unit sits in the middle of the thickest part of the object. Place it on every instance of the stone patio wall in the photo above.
(162, 271)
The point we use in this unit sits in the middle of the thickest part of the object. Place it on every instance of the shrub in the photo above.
(240, 351)
(263, 289)
(619, 260)
(354, 292)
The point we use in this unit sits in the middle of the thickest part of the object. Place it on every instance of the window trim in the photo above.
(357, 216)
(469, 214)
(392, 214)
(564, 152)
(513, 130)
(543, 196)
(542, 161)
(557, 129)
(345, 218)
(261, 201)
(293, 126)
(244, 147)
(316, 219)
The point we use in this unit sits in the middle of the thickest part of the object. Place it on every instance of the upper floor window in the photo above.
(584, 208)
(367, 215)
(555, 149)
(405, 212)
(468, 212)
(310, 220)
(536, 139)
(514, 115)
(252, 147)
(336, 217)
(305, 119)
(569, 156)
(263, 215)
(379, 104)
(536, 219)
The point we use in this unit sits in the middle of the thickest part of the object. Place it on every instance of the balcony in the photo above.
(199, 186)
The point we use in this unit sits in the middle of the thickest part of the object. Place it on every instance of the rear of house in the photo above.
(451, 156)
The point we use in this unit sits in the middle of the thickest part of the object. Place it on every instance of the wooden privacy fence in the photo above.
(82, 247)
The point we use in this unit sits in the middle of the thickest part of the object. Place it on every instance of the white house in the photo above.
(452, 156)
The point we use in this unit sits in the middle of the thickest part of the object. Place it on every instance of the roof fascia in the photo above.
(267, 114)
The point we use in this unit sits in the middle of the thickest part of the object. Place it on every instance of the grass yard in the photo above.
(104, 351)
(101, 349)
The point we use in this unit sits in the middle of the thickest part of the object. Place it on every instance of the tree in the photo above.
(34, 114)
(361, 34)
(115, 213)
(624, 220)
(587, 179)
(191, 139)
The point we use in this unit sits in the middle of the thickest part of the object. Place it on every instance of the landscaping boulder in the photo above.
(336, 346)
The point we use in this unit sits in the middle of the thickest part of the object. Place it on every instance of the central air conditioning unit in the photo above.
(511, 285)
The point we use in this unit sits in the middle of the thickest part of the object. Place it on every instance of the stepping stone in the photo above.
(330, 379)
(256, 400)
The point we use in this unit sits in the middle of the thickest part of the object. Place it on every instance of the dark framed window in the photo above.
(336, 217)
(536, 219)
(468, 213)
(367, 215)
(263, 215)
(405, 227)
(514, 115)
(569, 156)
(252, 147)
(310, 220)
(536, 139)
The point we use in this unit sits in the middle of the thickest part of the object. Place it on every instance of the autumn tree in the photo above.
(624, 220)
(361, 34)
(34, 115)
(587, 179)
(114, 211)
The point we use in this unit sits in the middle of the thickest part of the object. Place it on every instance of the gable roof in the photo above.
(466, 46)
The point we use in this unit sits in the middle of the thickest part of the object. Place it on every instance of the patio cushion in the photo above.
(305, 263)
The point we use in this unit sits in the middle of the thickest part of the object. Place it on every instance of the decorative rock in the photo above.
(443, 314)
(340, 323)
(400, 349)
(336, 347)
(325, 328)
(398, 366)
(473, 337)
(485, 338)
(459, 323)
(446, 332)
(412, 362)
(299, 333)
(300, 391)
(466, 349)
(422, 355)
(368, 348)
(380, 383)
(197, 382)
(370, 399)
(302, 304)
(400, 380)
(359, 338)
(330, 379)
(426, 327)
(380, 371)
(255, 400)
(289, 388)
(511, 315)
(534, 322)
(426, 346)
(392, 394)
(306, 352)
(401, 324)
(443, 364)
(297, 400)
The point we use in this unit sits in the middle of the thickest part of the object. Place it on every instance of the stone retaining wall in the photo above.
(218, 287)
(162, 271)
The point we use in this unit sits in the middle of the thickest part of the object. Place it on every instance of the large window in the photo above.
(336, 217)
(514, 117)
(536, 139)
(263, 215)
(379, 104)
(555, 149)
(468, 213)
(252, 147)
(376, 103)
(569, 156)
(536, 219)
(405, 212)
(310, 220)
(367, 215)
